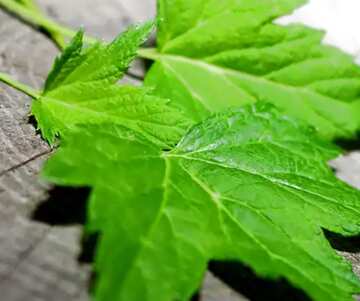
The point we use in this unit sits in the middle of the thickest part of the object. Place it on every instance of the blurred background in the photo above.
(340, 18)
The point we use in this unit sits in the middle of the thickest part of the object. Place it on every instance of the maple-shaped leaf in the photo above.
(246, 185)
(82, 88)
(216, 54)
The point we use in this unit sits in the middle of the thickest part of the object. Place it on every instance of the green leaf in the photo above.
(247, 184)
(217, 54)
(82, 88)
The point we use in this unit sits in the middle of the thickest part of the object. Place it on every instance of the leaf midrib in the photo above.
(274, 181)
(264, 247)
(155, 222)
(153, 54)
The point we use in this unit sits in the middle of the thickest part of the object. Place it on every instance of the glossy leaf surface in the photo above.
(217, 54)
(246, 184)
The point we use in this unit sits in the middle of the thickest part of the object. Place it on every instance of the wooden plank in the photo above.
(36, 261)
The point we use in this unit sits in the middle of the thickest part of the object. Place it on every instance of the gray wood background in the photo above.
(38, 262)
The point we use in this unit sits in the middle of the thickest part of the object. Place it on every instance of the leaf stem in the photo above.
(38, 19)
(56, 37)
(57, 30)
(148, 53)
(19, 86)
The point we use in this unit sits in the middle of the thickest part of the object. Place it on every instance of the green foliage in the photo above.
(82, 88)
(246, 184)
(217, 54)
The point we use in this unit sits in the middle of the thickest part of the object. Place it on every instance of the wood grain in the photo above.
(39, 262)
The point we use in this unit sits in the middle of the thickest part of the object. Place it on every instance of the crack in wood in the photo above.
(21, 164)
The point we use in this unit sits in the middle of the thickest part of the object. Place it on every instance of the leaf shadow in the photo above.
(32, 121)
(87, 255)
(65, 206)
(243, 279)
(339, 242)
(349, 144)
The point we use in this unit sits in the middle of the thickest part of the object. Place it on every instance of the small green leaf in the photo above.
(218, 54)
(247, 185)
(82, 88)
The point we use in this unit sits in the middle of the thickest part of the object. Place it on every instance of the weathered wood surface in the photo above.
(37, 261)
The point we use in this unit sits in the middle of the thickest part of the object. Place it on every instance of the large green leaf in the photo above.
(216, 54)
(82, 88)
(247, 185)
